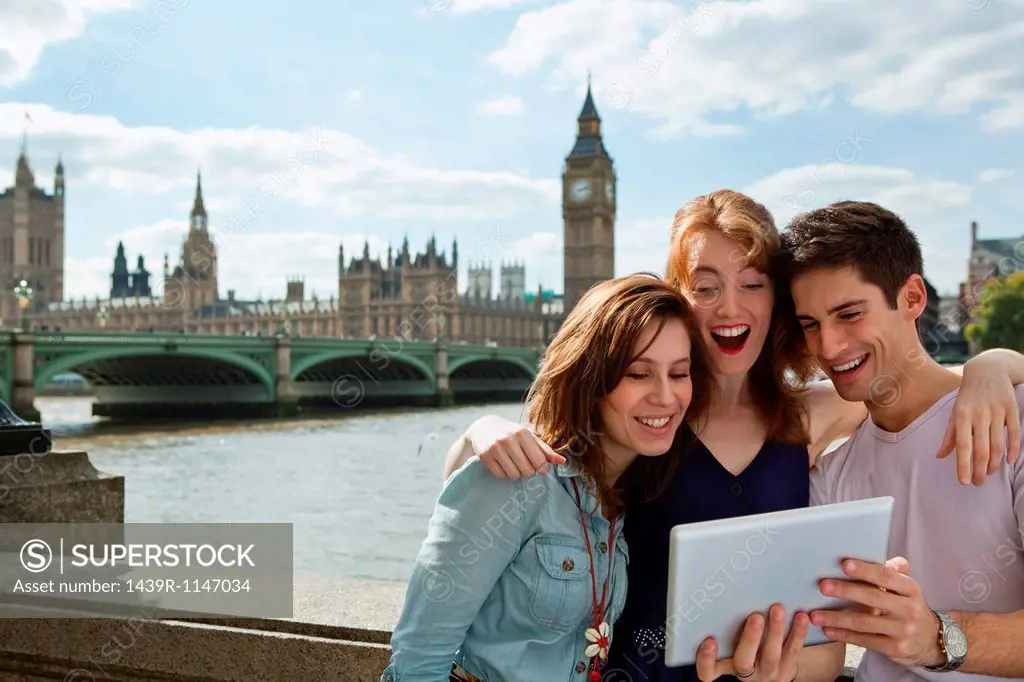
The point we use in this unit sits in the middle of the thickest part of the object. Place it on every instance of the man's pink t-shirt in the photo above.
(964, 544)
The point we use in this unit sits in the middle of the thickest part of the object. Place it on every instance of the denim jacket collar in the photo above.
(571, 470)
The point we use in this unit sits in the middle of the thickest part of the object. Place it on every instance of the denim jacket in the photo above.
(502, 584)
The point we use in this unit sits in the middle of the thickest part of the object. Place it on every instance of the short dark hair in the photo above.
(858, 234)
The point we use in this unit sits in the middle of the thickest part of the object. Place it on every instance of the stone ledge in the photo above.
(58, 487)
(82, 650)
(340, 631)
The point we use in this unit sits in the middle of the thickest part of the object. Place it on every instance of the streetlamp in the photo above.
(441, 320)
(101, 316)
(23, 292)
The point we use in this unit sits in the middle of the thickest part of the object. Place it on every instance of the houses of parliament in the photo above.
(412, 294)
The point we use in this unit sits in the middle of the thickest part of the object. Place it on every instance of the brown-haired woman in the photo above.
(523, 579)
(754, 446)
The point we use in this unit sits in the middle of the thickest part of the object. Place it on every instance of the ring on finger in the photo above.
(745, 675)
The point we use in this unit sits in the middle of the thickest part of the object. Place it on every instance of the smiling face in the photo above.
(643, 412)
(732, 302)
(861, 342)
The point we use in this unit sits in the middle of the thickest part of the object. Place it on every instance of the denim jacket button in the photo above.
(580, 667)
(602, 547)
(568, 564)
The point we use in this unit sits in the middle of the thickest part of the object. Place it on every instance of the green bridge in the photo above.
(143, 375)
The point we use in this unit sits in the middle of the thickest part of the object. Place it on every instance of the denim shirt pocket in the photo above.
(562, 592)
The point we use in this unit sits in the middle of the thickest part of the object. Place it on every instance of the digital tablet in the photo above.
(722, 571)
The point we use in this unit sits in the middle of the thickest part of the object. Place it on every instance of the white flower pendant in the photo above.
(599, 639)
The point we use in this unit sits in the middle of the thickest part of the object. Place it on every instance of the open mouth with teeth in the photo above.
(731, 339)
(657, 426)
(849, 369)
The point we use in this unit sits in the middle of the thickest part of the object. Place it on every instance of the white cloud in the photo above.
(932, 208)
(28, 26)
(996, 174)
(251, 169)
(466, 6)
(694, 71)
(502, 106)
(791, 191)
(247, 175)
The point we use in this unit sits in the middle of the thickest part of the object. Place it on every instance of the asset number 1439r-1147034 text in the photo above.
(168, 585)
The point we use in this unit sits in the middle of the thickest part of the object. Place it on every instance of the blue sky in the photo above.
(453, 117)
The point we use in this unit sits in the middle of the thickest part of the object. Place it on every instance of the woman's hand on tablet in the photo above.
(774, 661)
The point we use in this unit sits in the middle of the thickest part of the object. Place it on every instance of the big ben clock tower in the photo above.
(588, 208)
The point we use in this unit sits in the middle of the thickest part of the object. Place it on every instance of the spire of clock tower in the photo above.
(588, 130)
(198, 215)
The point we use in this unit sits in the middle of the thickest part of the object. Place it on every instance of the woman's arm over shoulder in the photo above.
(829, 416)
(478, 526)
(486, 428)
(508, 449)
(995, 360)
(458, 454)
(984, 407)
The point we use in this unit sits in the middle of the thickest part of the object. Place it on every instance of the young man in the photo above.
(953, 598)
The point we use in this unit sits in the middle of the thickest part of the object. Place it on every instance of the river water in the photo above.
(358, 487)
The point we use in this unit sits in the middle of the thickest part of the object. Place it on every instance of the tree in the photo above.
(998, 322)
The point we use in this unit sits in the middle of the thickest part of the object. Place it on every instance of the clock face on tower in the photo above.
(609, 191)
(580, 190)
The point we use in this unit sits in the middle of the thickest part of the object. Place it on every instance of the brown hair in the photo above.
(858, 234)
(747, 222)
(587, 359)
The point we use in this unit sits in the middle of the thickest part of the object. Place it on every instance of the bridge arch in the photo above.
(374, 359)
(68, 363)
(455, 364)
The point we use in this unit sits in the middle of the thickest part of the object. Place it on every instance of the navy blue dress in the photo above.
(701, 489)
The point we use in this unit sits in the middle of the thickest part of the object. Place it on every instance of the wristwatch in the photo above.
(952, 644)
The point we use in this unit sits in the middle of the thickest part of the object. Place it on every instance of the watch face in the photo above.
(579, 190)
(956, 643)
(609, 190)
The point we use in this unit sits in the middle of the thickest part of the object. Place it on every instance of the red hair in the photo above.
(784, 364)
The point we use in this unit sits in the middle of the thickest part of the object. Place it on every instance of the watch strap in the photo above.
(951, 663)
